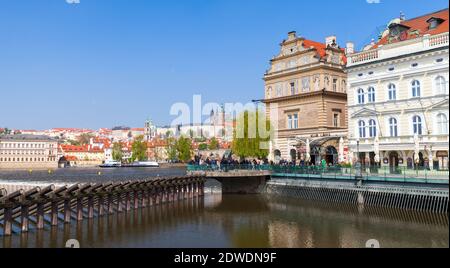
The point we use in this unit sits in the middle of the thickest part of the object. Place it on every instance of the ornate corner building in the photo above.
(398, 93)
(306, 100)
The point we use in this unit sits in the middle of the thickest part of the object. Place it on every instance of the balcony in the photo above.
(423, 43)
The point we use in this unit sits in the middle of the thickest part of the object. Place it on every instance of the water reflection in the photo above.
(247, 221)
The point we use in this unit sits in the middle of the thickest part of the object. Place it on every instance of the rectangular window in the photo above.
(336, 119)
(295, 121)
(292, 88)
(289, 121)
(305, 84)
(335, 85)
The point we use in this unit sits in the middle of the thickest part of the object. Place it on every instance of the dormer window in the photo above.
(396, 29)
(434, 22)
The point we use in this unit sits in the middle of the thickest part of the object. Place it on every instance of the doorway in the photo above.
(393, 162)
(331, 156)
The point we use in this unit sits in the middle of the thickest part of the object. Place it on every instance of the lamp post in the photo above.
(358, 168)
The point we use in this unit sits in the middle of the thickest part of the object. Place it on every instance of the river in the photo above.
(232, 221)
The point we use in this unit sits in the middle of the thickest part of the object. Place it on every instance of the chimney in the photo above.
(292, 35)
(402, 16)
(330, 40)
(350, 48)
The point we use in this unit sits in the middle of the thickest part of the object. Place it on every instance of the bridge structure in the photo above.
(412, 190)
(49, 205)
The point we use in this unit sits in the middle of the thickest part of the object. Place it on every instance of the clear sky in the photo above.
(102, 63)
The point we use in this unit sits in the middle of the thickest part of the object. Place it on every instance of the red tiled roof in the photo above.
(321, 49)
(71, 158)
(82, 148)
(421, 25)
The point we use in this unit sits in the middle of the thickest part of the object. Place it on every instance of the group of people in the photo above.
(217, 162)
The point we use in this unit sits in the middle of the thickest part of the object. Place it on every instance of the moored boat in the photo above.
(111, 164)
(152, 164)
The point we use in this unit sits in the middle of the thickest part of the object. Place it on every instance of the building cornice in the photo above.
(298, 53)
(322, 93)
(305, 68)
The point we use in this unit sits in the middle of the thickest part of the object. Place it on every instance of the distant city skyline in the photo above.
(101, 64)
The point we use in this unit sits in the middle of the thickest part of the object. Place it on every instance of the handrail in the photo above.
(387, 174)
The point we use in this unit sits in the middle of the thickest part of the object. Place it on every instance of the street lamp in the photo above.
(358, 168)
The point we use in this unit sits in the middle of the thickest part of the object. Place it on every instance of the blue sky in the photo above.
(102, 63)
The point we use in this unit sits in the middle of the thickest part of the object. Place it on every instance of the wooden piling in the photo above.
(67, 211)
(80, 209)
(7, 221)
(20, 206)
(24, 216)
(54, 213)
(90, 207)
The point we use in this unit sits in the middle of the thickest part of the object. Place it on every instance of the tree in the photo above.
(213, 144)
(184, 149)
(250, 139)
(202, 146)
(6, 131)
(73, 142)
(139, 149)
(117, 151)
(172, 149)
(84, 139)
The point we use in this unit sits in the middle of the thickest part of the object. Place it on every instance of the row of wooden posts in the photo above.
(78, 201)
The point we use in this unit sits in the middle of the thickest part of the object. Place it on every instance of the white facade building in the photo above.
(398, 95)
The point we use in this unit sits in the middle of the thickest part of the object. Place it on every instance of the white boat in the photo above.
(145, 164)
(111, 164)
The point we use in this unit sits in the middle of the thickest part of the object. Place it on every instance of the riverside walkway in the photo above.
(49, 205)
(421, 190)
(383, 175)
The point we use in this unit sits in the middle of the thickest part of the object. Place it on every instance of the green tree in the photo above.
(250, 139)
(202, 146)
(117, 151)
(139, 149)
(73, 142)
(6, 131)
(184, 149)
(172, 153)
(213, 144)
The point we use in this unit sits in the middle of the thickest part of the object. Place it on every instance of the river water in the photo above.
(232, 221)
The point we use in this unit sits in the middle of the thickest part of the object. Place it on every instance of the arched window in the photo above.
(415, 88)
(440, 84)
(372, 128)
(417, 125)
(442, 124)
(362, 129)
(371, 94)
(360, 96)
(392, 89)
(393, 128)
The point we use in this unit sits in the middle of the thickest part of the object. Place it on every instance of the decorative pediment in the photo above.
(439, 105)
(364, 112)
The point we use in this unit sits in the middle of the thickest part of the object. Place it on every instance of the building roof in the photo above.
(26, 137)
(420, 26)
(67, 148)
(320, 48)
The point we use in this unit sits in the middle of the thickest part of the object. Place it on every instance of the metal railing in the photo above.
(383, 174)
